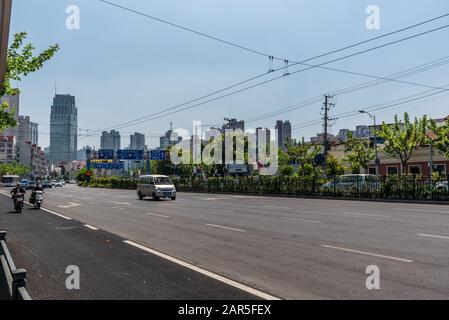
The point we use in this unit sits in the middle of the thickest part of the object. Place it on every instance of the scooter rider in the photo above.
(38, 187)
(16, 190)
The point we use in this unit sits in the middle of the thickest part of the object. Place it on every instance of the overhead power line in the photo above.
(264, 54)
(149, 117)
(365, 85)
(163, 113)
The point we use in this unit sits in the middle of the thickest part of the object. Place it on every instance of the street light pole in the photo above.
(373, 117)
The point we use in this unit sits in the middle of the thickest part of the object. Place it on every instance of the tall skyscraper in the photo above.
(137, 141)
(14, 104)
(234, 124)
(63, 129)
(111, 140)
(284, 129)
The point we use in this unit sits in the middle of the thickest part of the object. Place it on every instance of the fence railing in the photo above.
(394, 188)
(12, 280)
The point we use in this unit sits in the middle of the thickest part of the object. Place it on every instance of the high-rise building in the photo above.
(82, 153)
(137, 141)
(284, 133)
(63, 129)
(234, 124)
(14, 104)
(28, 131)
(111, 140)
(169, 139)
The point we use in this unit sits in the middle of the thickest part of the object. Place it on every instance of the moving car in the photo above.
(352, 183)
(156, 186)
(58, 184)
(47, 185)
(24, 183)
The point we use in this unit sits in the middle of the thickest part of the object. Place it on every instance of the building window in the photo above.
(437, 168)
(415, 169)
(392, 170)
(372, 170)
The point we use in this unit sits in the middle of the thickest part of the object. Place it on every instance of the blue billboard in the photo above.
(105, 154)
(130, 154)
(108, 165)
(157, 155)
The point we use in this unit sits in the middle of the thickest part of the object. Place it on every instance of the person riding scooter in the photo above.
(17, 190)
(37, 188)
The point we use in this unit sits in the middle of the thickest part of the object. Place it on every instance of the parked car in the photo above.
(58, 184)
(442, 186)
(352, 183)
(72, 182)
(156, 186)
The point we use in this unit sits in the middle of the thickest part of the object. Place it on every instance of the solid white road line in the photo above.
(223, 227)
(209, 274)
(420, 210)
(118, 208)
(273, 207)
(304, 220)
(157, 215)
(91, 227)
(368, 254)
(433, 236)
(365, 214)
(56, 214)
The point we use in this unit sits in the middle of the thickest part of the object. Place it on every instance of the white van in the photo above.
(156, 186)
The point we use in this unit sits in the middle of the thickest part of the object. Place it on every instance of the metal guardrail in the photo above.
(12, 280)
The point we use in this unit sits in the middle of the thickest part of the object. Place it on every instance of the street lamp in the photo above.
(373, 117)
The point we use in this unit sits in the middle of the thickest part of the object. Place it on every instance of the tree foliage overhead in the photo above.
(359, 153)
(14, 168)
(404, 138)
(21, 61)
(441, 136)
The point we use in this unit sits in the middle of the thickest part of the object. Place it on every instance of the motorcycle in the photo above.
(20, 198)
(37, 199)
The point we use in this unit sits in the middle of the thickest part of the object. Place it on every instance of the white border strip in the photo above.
(212, 275)
(368, 254)
(91, 227)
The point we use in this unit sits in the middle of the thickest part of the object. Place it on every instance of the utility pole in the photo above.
(327, 106)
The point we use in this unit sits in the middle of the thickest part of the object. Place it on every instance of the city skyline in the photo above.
(166, 73)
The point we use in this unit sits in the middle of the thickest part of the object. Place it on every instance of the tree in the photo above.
(20, 63)
(404, 138)
(359, 153)
(334, 167)
(440, 136)
(303, 155)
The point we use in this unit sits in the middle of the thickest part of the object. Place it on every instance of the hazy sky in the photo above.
(121, 66)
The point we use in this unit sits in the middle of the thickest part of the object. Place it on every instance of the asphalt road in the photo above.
(109, 268)
(288, 248)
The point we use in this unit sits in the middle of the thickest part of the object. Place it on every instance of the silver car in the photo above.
(352, 183)
(156, 186)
